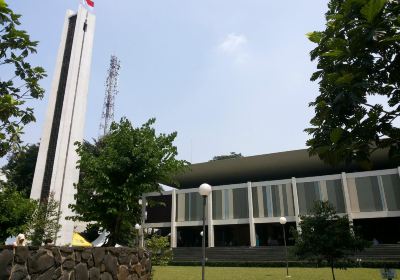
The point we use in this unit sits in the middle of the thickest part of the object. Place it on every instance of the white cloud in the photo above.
(233, 43)
(234, 46)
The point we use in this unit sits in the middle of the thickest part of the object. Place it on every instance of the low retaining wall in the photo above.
(51, 262)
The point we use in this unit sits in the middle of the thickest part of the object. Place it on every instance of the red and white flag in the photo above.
(89, 4)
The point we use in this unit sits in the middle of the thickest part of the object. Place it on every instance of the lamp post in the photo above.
(283, 221)
(204, 191)
(137, 227)
(143, 218)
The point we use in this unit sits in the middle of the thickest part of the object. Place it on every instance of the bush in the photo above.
(161, 253)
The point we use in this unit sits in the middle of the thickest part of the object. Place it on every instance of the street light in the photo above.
(283, 221)
(137, 227)
(204, 191)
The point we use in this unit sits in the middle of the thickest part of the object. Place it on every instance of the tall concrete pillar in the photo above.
(210, 223)
(252, 228)
(346, 196)
(173, 220)
(56, 170)
(296, 202)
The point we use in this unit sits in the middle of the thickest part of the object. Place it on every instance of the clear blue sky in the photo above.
(226, 75)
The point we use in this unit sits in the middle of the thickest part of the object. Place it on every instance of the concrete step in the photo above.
(273, 254)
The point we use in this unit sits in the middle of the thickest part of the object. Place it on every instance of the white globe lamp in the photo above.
(204, 189)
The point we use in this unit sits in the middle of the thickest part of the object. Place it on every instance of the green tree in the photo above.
(326, 236)
(22, 83)
(127, 163)
(358, 57)
(15, 213)
(44, 223)
(230, 156)
(20, 169)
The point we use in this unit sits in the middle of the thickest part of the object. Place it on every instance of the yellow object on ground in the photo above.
(78, 240)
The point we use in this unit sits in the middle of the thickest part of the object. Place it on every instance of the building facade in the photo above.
(247, 213)
(64, 124)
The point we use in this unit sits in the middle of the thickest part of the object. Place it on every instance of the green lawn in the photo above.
(250, 273)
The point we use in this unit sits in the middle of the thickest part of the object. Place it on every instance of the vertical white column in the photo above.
(296, 202)
(210, 223)
(251, 216)
(346, 196)
(173, 219)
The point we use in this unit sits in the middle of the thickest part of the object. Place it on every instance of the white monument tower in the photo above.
(56, 164)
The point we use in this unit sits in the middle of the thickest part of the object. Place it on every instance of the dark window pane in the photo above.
(369, 197)
(335, 195)
(391, 186)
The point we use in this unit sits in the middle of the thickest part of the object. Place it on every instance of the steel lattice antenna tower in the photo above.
(111, 86)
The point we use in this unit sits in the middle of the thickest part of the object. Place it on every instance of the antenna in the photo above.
(111, 85)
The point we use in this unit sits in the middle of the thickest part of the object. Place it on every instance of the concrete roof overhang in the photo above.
(276, 166)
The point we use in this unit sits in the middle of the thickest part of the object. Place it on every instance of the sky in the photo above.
(227, 75)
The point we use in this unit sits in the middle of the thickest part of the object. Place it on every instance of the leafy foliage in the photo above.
(231, 155)
(20, 169)
(358, 57)
(326, 236)
(15, 213)
(23, 83)
(44, 224)
(126, 163)
(161, 253)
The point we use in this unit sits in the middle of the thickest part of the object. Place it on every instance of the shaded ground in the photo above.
(249, 273)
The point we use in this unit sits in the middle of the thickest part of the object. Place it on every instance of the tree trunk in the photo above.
(110, 241)
(112, 238)
(333, 272)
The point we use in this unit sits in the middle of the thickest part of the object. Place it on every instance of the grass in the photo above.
(264, 273)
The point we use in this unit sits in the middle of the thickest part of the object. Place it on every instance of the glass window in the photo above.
(307, 193)
(368, 193)
(160, 211)
(276, 203)
(288, 203)
(256, 212)
(391, 186)
(217, 204)
(180, 207)
(240, 203)
(230, 204)
(267, 201)
(334, 190)
(226, 213)
(193, 206)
